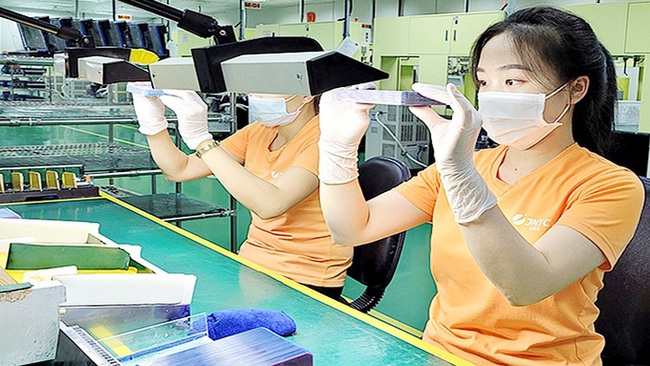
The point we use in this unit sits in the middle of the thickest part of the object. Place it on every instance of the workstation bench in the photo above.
(332, 332)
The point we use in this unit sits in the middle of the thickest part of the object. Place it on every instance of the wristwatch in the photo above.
(206, 148)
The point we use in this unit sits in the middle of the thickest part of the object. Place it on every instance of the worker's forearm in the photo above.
(346, 212)
(172, 161)
(263, 198)
(514, 266)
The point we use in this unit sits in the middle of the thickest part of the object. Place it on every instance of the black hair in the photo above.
(317, 103)
(563, 46)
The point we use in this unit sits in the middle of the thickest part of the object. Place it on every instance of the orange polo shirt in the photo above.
(296, 244)
(469, 317)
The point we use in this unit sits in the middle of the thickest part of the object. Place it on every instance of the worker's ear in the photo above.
(579, 88)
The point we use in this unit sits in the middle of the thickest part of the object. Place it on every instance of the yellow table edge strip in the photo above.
(396, 323)
(390, 329)
(392, 321)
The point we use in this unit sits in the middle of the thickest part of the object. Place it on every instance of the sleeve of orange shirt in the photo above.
(237, 143)
(606, 211)
(307, 157)
(422, 190)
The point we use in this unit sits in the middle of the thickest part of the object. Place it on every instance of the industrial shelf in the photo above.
(108, 159)
(95, 157)
(26, 75)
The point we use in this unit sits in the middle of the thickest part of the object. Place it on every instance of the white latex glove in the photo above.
(342, 125)
(151, 114)
(192, 114)
(453, 147)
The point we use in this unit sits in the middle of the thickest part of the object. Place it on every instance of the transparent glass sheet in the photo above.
(138, 346)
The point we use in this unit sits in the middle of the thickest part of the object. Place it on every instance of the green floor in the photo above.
(406, 299)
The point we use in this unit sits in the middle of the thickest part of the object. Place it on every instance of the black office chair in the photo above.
(374, 264)
(624, 302)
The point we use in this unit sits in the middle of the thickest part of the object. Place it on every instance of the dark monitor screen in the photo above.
(97, 25)
(65, 22)
(57, 43)
(48, 36)
(137, 38)
(116, 29)
(33, 38)
(157, 34)
(124, 30)
(109, 34)
(89, 28)
(76, 24)
(146, 36)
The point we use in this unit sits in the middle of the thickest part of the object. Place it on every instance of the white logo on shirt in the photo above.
(531, 223)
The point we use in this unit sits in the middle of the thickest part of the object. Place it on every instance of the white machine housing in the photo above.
(411, 133)
(174, 73)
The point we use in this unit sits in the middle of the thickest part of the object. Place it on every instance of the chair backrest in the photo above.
(374, 264)
(624, 302)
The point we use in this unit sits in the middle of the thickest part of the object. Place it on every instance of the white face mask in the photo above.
(517, 119)
(271, 112)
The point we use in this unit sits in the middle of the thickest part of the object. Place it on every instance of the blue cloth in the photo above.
(228, 322)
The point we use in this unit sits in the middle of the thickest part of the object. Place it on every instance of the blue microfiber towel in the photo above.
(225, 323)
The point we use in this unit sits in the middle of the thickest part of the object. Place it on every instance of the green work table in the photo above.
(332, 332)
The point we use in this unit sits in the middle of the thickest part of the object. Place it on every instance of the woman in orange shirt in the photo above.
(522, 233)
(270, 167)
